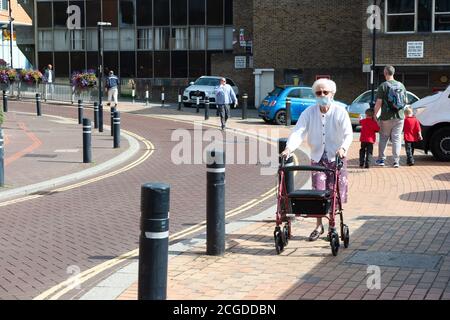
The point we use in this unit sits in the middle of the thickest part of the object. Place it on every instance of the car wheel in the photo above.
(440, 144)
(187, 105)
(280, 117)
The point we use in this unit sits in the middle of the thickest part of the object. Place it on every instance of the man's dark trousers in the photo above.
(224, 112)
(365, 154)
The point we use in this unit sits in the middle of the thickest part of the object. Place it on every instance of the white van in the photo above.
(433, 113)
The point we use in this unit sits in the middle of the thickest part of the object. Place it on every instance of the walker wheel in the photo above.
(279, 245)
(346, 236)
(334, 243)
(286, 235)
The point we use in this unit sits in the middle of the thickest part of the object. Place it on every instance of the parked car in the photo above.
(273, 107)
(357, 109)
(433, 113)
(204, 87)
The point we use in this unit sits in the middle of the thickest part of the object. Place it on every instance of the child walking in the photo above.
(412, 133)
(369, 128)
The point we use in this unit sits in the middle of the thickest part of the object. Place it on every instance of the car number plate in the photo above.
(354, 115)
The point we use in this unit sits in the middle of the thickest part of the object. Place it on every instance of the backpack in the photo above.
(396, 96)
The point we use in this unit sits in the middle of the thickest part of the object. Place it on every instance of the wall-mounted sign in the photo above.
(414, 49)
(240, 62)
(241, 38)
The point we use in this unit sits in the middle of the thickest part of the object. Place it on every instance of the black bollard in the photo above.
(38, 104)
(289, 176)
(113, 109)
(288, 112)
(116, 126)
(100, 117)
(179, 101)
(206, 108)
(5, 102)
(244, 106)
(80, 111)
(87, 137)
(198, 104)
(154, 242)
(96, 115)
(215, 203)
(2, 162)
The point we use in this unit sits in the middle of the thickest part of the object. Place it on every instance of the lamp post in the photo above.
(372, 71)
(100, 59)
(11, 19)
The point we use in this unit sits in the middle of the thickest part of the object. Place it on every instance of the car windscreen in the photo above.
(275, 92)
(365, 98)
(207, 82)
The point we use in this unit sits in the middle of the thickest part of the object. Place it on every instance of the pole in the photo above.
(116, 125)
(206, 108)
(162, 98)
(87, 138)
(38, 104)
(179, 100)
(154, 242)
(288, 112)
(11, 31)
(113, 109)
(80, 111)
(100, 117)
(95, 114)
(372, 71)
(244, 106)
(2, 163)
(5, 102)
(100, 62)
(198, 104)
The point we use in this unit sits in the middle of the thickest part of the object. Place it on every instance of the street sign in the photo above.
(240, 62)
(414, 49)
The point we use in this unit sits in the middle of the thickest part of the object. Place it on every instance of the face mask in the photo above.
(324, 101)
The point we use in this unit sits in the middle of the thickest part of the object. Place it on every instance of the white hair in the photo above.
(328, 84)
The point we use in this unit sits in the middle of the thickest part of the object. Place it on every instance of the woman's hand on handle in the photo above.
(341, 153)
(286, 153)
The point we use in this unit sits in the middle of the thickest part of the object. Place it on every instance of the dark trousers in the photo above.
(224, 112)
(409, 147)
(365, 154)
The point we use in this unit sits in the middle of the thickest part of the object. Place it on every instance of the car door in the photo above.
(294, 95)
(307, 98)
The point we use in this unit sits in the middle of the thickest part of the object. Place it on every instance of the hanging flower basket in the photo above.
(83, 80)
(7, 77)
(30, 77)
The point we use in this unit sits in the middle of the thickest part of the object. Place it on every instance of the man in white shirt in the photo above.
(49, 76)
(329, 132)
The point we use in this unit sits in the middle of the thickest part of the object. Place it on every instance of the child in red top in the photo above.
(368, 129)
(412, 133)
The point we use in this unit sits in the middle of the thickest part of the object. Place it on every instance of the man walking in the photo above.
(224, 97)
(391, 99)
(49, 76)
(112, 84)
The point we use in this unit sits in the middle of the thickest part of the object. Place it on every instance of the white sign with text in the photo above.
(414, 49)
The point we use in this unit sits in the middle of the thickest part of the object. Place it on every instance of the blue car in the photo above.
(273, 107)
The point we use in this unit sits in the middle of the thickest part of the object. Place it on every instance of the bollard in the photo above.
(2, 162)
(5, 102)
(38, 104)
(289, 176)
(206, 108)
(154, 242)
(244, 106)
(87, 137)
(179, 101)
(100, 117)
(215, 203)
(113, 109)
(133, 94)
(146, 97)
(80, 111)
(95, 115)
(116, 126)
(162, 99)
(288, 112)
(198, 104)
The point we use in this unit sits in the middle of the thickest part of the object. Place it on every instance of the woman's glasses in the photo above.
(319, 93)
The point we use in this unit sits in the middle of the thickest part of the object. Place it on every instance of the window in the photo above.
(306, 93)
(59, 14)
(229, 38)
(77, 62)
(44, 14)
(76, 40)
(145, 39)
(180, 38)
(424, 15)
(231, 83)
(197, 38)
(162, 37)
(197, 12)
(229, 12)
(127, 39)
(179, 64)
(45, 40)
(4, 4)
(162, 64)
(400, 16)
(214, 10)
(61, 38)
(91, 39)
(144, 13)
(196, 64)
(110, 60)
(145, 64)
(215, 38)
(179, 12)
(162, 16)
(110, 40)
(109, 8)
(127, 64)
(45, 58)
(295, 93)
(126, 13)
(93, 12)
(442, 15)
(61, 65)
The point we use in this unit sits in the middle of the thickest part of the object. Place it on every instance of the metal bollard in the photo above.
(133, 94)
(162, 99)
(244, 106)
(146, 97)
(2, 162)
(198, 104)
(206, 108)
(154, 242)
(95, 115)
(5, 102)
(87, 138)
(80, 111)
(116, 126)
(215, 203)
(38, 104)
(179, 102)
(289, 176)
(288, 112)
(113, 109)
(100, 117)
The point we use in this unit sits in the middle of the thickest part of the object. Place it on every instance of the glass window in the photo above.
(294, 93)
(61, 40)
(162, 38)
(110, 59)
(91, 39)
(179, 64)
(45, 40)
(45, 58)
(145, 39)
(215, 38)
(60, 14)
(442, 6)
(400, 16)
(196, 64)
(109, 8)
(145, 64)
(92, 61)
(229, 12)
(197, 38)
(162, 64)
(229, 38)
(306, 93)
(127, 64)
(231, 83)
(4, 5)
(442, 15)
(76, 40)
(93, 12)
(110, 40)
(180, 38)
(162, 10)
(44, 14)
(61, 65)
(197, 12)
(77, 61)
(179, 12)
(126, 13)
(424, 15)
(127, 39)
(80, 5)
(144, 13)
(214, 10)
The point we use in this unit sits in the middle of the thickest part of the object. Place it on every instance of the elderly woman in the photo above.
(329, 132)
